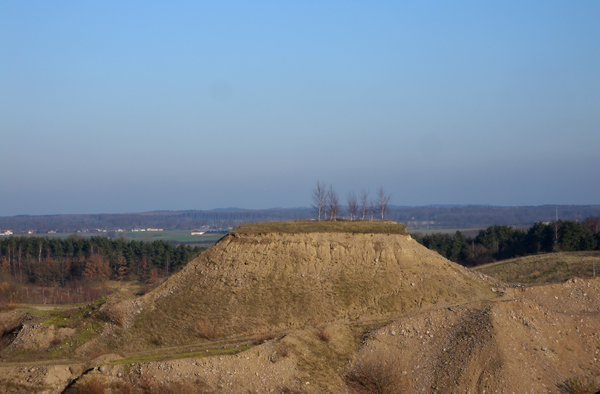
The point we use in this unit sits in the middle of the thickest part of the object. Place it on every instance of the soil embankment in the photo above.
(340, 312)
(248, 284)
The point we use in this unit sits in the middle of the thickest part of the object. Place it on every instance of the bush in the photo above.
(147, 387)
(263, 337)
(579, 385)
(323, 334)
(90, 386)
(122, 387)
(375, 373)
(206, 329)
(115, 314)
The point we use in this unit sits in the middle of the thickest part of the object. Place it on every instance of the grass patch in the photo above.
(544, 268)
(57, 318)
(324, 226)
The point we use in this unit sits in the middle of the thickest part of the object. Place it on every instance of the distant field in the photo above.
(178, 236)
(468, 232)
(544, 268)
(182, 236)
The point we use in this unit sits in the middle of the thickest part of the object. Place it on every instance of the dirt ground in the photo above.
(506, 339)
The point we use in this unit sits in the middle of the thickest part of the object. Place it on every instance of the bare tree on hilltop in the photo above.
(352, 205)
(326, 201)
(319, 199)
(364, 203)
(334, 203)
(383, 200)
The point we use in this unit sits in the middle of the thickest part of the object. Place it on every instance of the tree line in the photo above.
(56, 261)
(327, 205)
(438, 216)
(501, 242)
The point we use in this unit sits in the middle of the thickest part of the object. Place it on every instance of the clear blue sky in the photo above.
(111, 106)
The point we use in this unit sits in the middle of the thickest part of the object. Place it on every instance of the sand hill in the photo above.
(252, 282)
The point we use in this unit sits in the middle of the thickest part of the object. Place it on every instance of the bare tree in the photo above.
(364, 203)
(372, 208)
(333, 202)
(352, 205)
(319, 199)
(383, 200)
(592, 224)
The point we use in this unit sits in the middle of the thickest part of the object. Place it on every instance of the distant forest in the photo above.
(56, 262)
(500, 242)
(432, 217)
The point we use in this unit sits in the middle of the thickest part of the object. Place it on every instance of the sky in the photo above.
(112, 106)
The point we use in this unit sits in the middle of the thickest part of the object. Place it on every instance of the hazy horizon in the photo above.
(134, 107)
(310, 208)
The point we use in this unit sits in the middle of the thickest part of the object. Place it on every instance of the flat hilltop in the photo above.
(323, 226)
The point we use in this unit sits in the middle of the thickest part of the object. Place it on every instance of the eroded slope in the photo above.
(247, 284)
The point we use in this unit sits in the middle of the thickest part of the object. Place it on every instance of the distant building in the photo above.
(31, 232)
(7, 232)
(119, 230)
(154, 229)
(197, 232)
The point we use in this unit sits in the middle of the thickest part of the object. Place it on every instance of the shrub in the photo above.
(579, 385)
(97, 350)
(115, 314)
(376, 373)
(56, 341)
(90, 386)
(147, 387)
(122, 387)
(264, 336)
(282, 350)
(323, 334)
(287, 390)
(206, 329)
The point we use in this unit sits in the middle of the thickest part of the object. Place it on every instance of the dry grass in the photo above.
(96, 351)
(145, 386)
(55, 341)
(115, 314)
(579, 385)
(324, 226)
(206, 329)
(375, 373)
(287, 390)
(264, 336)
(89, 386)
(122, 387)
(323, 334)
(544, 268)
(178, 388)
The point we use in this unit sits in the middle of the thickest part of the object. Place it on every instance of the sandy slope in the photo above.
(278, 282)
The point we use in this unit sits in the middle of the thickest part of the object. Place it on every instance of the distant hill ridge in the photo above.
(438, 216)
